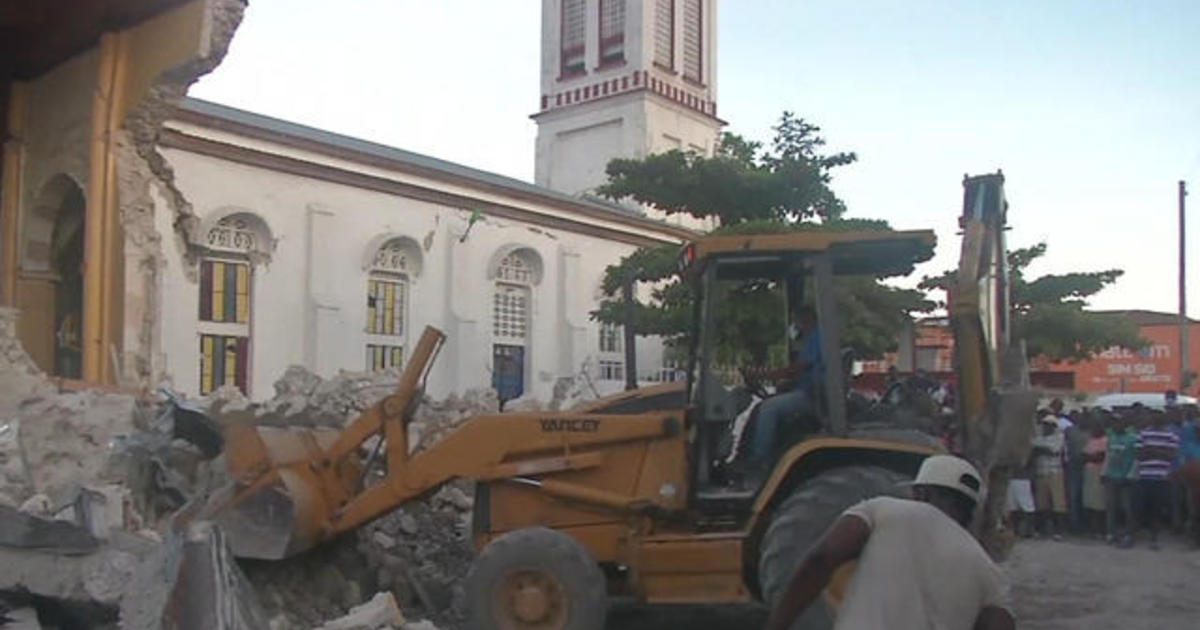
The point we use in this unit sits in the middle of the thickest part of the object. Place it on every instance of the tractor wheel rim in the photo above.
(532, 599)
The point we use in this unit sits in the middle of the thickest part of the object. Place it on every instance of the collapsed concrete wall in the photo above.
(111, 465)
(147, 185)
(19, 379)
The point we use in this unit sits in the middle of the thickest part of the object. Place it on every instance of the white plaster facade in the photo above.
(644, 100)
(327, 203)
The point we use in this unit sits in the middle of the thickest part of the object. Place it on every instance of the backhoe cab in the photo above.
(750, 293)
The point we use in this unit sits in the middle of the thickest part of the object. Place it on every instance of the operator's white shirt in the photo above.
(919, 571)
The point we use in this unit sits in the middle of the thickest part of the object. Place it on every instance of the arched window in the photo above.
(230, 244)
(392, 266)
(516, 271)
(53, 232)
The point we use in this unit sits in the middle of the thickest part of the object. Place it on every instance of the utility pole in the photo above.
(630, 331)
(1184, 347)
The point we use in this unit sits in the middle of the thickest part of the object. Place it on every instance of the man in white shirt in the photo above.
(918, 566)
(1049, 490)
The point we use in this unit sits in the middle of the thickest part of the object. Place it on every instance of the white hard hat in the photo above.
(951, 472)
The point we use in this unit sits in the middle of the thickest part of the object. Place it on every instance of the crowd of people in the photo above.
(1117, 474)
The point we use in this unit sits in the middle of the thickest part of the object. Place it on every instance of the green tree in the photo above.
(746, 189)
(1049, 312)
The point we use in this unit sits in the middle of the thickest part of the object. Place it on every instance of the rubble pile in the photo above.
(304, 399)
(66, 439)
(55, 447)
(419, 555)
(100, 478)
(19, 379)
(434, 419)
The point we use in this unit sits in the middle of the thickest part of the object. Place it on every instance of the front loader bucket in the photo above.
(286, 484)
(274, 518)
(276, 505)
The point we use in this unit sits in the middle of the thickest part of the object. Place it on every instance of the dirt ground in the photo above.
(1070, 585)
(1087, 585)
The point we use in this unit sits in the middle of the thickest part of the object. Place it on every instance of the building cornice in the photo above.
(181, 140)
(294, 136)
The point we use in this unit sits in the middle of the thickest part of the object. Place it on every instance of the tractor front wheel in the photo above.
(802, 519)
(535, 579)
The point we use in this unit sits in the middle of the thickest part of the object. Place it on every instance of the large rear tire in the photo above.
(802, 519)
(535, 579)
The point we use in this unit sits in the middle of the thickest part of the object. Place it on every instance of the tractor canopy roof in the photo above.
(861, 252)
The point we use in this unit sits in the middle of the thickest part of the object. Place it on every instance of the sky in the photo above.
(1091, 108)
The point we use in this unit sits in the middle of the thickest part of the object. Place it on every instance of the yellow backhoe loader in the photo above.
(632, 495)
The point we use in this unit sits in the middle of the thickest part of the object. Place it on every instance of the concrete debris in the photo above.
(573, 390)
(383, 540)
(423, 624)
(456, 497)
(37, 505)
(20, 619)
(104, 476)
(65, 439)
(304, 399)
(210, 592)
(14, 477)
(226, 398)
(381, 611)
(408, 525)
(51, 441)
(435, 419)
(19, 375)
(523, 405)
(20, 379)
(419, 554)
(304, 591)
(92, 583)
(426, 569)
(99, 509)
(24, 531)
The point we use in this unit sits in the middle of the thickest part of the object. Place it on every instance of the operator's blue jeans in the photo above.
(771, 413)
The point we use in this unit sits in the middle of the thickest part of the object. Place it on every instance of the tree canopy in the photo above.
(742, 182)
(748, 189)
(1049, 312)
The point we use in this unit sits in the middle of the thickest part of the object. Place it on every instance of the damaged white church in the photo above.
(234, 245)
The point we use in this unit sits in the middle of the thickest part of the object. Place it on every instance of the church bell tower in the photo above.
(623, 78)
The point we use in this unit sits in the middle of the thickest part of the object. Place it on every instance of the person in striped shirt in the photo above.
(1157, 449)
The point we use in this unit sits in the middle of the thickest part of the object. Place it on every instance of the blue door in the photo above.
(508, 372)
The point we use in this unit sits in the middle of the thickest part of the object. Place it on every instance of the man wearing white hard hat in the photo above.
(918, 566)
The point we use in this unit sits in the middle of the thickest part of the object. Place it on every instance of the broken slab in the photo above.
(423, 624)
(20, 619)
(96, 579)
(381, 611)
(65, 438)
(190, 583)
(15, 484)
(25, 531)
(210, 591)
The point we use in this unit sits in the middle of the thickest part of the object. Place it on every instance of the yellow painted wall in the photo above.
(35, 326)
(69, 124)
(160, 43)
